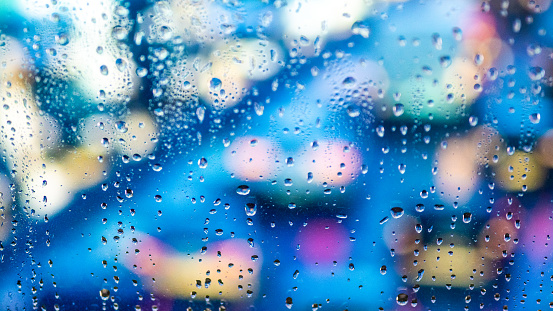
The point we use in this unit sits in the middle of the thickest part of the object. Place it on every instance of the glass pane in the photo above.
(274, 155)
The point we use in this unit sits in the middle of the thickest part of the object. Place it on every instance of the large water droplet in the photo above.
(104, 70)
(243, 190)
(349, 82)
(397, 212)
(398, 109)
(121, 126)
(353, 111)
(445, 61)
(121, 64)
(289, 303)
(457, 33)
(251, 209)
(215, 85)
(401, 299)
(202, 163)
(104, 294)
(536, 73)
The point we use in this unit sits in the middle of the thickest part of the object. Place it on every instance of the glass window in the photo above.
(276, 154)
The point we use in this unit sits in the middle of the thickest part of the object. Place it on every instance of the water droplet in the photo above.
(467, 217)
(315, 145)
(383, 270)
(353, 111)
(359, 28)
(202, 163)
(121, 64)
(420, 274)
(536, 73)
(401, 168)
(215, 85)
(437, 41)
(473, 120)
(398, 109)
(290, 161)
(478, 59)
(380, 130)
(396, 212)
(251, 209)
(243, 190)
(517, 24)
(349, 82)
(104, 70)
(493, 73)
(457, 33)
(401, 299)
(62, 39)
(121, 126)
(141, 72)
(119, 32)
(289, 303)
(511, 150)
(104, 294)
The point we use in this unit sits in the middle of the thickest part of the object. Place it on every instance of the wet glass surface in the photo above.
(275, 155)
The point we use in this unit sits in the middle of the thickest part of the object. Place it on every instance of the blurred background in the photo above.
(275, 155)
